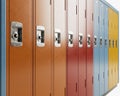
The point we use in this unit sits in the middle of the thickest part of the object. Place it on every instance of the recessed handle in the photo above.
(80, 40)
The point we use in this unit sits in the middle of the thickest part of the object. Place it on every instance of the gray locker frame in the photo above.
(3, 48)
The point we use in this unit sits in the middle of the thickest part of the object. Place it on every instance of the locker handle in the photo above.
(88, 41)
(98, 77)
(70, 39)
(113, 43)
(95, 41)
(109, 43)
(80, 40)
(101, 41)
(106, 42)
(57, 38)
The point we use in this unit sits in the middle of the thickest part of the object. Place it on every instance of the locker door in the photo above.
(101, 38)
(59, 47)
(116, 47)
(106, 46)
(2, 48)
(110, 49)
(43, 47)
(96, 49)
(82, 47)
(89, 47)
(19, 48)
(72, 49)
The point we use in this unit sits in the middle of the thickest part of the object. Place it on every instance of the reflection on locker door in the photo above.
(96, 49)
(72, 50)
(19, 48)
(43, 48)
(82, 47)
(59, 47)
(90, 47)
(106, 46)
(101, 37)
(110, 78)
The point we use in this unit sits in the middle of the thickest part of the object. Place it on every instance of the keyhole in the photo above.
(15, 35)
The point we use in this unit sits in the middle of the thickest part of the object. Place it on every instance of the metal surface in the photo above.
(72, 52)
(90, 49)
(96, 48)
(82, 47)
(43, 55)
(59, 84)
(101, 37)
(16, 34)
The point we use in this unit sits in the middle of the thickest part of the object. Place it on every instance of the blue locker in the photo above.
(2, 48)
(101, 38)
(106, 46)
(96, 49)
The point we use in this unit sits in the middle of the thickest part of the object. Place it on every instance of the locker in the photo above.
(89, 47)
(96, 48)
(110, 12)
(2, 48)
(101, 38)
(19, 48)
(72, 48)
(43, 45)
(82, 47)
(106, 47)
(59, 48)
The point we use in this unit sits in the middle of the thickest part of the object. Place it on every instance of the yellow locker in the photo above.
(110, 48)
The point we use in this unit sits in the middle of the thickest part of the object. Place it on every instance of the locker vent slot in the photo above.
(80, 40)
(70, 39)
(57, 38)
(40, 36)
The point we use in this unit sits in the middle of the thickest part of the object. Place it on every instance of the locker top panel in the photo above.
(109, 5)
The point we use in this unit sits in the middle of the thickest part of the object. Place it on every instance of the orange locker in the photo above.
(59, 55)
(82, 47)
(43, 64)
(19, 47)
(89, 47)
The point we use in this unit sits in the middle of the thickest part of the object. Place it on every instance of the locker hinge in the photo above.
(76, 9)
(76, 87)
(85, 13)
(92, 17)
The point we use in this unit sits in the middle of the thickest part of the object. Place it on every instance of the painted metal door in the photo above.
(43, 48)
(82, 47)
(101, 38)
(89, 47)
(96, 49)
(59, 48)
(3, 48)
(110, 84)
(72, 49)
(106, 46)
(19, 48)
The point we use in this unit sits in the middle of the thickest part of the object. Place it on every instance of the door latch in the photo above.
(88, 41)
(80, 40)
(95, 41)
(70, 39)
(57, 38)
(40, 36)
(16, 34)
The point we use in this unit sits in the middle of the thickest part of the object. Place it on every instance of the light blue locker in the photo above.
(101, 37)
(106, 46)
(3, 48)
(96, 49)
